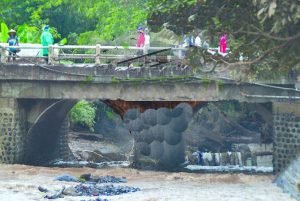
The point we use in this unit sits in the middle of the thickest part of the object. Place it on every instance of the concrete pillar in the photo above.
(12, 130)
(286, 134)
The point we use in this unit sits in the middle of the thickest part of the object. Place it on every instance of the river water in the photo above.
(20, 183)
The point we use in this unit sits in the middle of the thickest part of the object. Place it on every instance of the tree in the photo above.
(83, 115)
(266, 32)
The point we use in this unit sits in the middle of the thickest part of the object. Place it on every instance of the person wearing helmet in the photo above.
(12, 41)
(46, 40)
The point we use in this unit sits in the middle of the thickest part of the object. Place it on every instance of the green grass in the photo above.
(220, 84)
(206, 82)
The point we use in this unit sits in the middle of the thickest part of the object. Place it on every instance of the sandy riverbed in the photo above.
(19, 183)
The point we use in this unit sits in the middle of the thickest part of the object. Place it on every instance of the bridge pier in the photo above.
(12, 131)
(286, 134)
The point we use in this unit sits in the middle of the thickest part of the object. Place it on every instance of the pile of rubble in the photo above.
(90, 185)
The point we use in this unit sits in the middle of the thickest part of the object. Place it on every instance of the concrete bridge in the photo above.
(35, 100)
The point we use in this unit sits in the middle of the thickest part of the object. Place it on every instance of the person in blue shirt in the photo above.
(12, 41)
(199, 158)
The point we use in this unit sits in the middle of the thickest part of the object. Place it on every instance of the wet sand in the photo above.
(20, 183)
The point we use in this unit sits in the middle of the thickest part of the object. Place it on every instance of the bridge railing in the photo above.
(95, 54)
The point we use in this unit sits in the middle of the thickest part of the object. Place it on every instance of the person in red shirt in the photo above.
(223, 44)
(141, 38)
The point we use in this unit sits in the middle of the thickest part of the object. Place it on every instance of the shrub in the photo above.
(83, 115)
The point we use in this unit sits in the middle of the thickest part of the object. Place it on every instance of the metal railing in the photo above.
(97, 53)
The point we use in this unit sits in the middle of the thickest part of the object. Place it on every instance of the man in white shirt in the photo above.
(147, 41)
(198, 41)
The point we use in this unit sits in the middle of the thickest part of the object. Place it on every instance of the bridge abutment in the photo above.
(286, 134)
(12, 131)
(34, 131)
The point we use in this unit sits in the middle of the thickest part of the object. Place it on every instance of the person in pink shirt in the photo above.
(223, 44)
(141, 38)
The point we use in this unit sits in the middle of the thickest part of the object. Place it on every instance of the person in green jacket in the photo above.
(46, 40)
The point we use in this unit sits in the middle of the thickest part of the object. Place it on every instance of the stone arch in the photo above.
(47, 137)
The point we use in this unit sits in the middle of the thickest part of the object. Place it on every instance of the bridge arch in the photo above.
(48, 126)
(47, 137)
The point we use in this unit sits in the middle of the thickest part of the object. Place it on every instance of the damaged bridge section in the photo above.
(35, 101)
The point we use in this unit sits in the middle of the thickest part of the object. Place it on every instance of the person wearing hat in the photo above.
(12, 41)
(46, 40)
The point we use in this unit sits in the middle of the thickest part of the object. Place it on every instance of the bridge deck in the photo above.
(106, 82)
(128, 76)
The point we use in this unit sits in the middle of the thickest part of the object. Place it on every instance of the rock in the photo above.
(132, 114)
(67, 178)
(149, 117)
(108, 179)
(187, 109)
(173, 155)
(144, 148)
(157, 150)
(172, 137)
(55, 195)
(157, 133)
(179, 124)
(147, 136)
(86, 177)
(176, 112)
(163, 116)
(71, 191)
(136, 125)
(43, 189)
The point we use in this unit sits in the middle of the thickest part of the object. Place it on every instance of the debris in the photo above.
(71, 191)
(56, 195)
(90, 186)
(107, 190)
(80, 164)
(67, 177)
(97, 199)
(109, 179)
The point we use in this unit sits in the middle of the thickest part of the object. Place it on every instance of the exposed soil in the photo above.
(19, 182)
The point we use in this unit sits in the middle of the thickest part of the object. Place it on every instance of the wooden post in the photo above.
(3, 54)
(98, 53)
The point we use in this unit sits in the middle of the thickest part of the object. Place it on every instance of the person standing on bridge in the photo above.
(147, 41)
(223, 44)
(46, 40)
(198, 41)
(12, 41)
(140, 40)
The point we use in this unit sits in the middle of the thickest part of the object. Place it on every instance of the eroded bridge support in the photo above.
(286, 134)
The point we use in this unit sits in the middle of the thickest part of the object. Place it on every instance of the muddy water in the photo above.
(19, 183)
